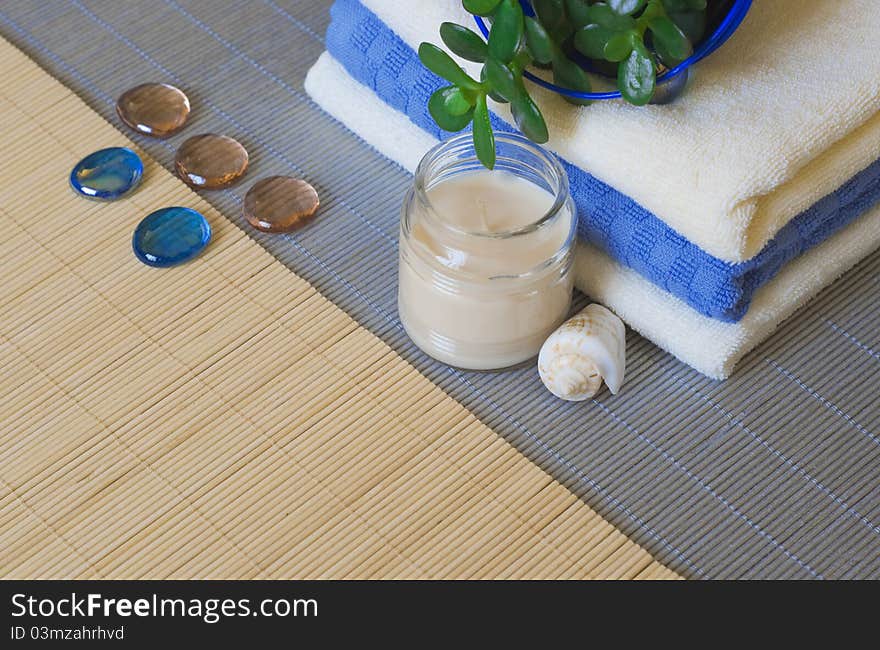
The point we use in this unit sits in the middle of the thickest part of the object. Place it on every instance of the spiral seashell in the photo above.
(585, 351)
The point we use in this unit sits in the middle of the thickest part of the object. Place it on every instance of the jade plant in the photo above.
(633, 40)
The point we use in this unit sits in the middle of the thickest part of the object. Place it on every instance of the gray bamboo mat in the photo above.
(774, 473)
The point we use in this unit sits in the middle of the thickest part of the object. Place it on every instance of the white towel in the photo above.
(780, 116)
(710, 346)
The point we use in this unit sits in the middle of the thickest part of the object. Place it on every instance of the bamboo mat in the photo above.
(222, 419)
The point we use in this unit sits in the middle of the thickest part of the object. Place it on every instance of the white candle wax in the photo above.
(484, 279)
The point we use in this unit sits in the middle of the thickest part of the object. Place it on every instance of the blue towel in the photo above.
(376, 57)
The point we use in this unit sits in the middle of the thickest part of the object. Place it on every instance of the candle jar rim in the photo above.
(446, 155)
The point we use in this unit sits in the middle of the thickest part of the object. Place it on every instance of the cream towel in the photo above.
(710, 346)
(782, 115)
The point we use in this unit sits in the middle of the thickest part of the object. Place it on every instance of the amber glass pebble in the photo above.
(154, 109)
(280, 203)
(211, 161)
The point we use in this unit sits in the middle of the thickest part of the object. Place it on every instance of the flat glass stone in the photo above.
(107, 174)
(170, 236)
(153, 109)
(280, 203)
(211, 161)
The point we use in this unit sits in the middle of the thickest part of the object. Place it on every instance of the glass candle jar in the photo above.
(486, 256)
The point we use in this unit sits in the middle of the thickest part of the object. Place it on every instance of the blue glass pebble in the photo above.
(170, 236)
(107, 174)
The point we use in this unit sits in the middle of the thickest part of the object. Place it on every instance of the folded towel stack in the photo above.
(705, 223)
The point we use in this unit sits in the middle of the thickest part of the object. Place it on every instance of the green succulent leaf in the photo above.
(627, 7)
(501, 78)
(457, 102)
(464, 42)
(484, 139)
(578, 12)
(569, 75)
(653, 9)
(451, 112)
(668, 37)
(591, 40)
(636, 76)
(528, 117)
(523, 58)
(551, 14)
(507, 31)
(480, 7)
(538, 40)
(488, 85)
(619, 46)
(684, 5)
(605, 16)
(663, 56)
(443, 65)
(692, 23)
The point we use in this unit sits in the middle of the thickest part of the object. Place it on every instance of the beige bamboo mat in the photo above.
(222, 419)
